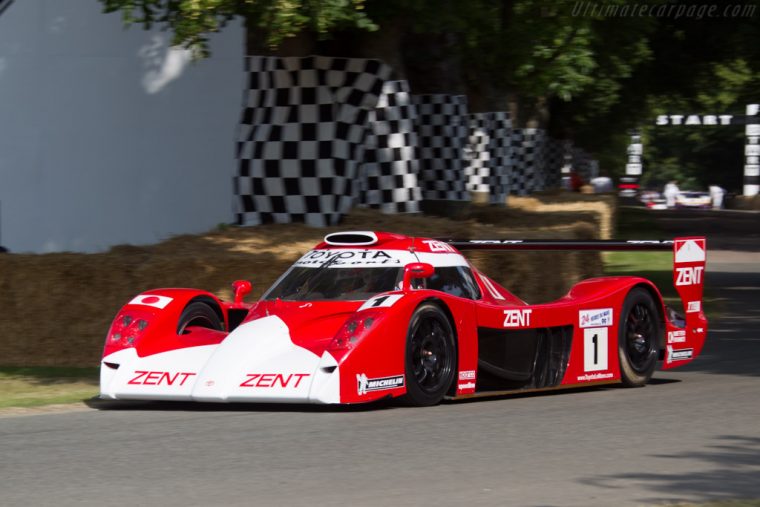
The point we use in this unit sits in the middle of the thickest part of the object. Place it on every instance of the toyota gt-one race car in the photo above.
(368, 315)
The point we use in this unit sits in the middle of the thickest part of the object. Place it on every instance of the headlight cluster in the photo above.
(126, 330)
(353, 331)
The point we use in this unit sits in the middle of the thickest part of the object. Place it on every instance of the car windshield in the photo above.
(335, 283)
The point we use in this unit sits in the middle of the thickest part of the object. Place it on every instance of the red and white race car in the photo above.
(370, 315)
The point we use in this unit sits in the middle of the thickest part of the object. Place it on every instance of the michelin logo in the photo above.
(366, 385)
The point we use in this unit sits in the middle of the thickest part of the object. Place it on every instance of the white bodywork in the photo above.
(257, 362)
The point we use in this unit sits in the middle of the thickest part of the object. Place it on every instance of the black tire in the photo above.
(430, 356)
(200, 314)
(639, 332)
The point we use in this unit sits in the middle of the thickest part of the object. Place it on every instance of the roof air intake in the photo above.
(352, 238)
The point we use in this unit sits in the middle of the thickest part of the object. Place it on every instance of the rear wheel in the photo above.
(638, 338)
(430, 356)
(199, 314)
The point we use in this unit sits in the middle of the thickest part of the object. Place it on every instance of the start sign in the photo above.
(694, 119)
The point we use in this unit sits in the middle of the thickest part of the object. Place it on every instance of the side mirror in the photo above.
(416, 270)
(240, 289)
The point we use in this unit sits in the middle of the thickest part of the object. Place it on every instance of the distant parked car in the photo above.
(693, 200)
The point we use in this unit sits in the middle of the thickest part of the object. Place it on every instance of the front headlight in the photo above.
(126, 330)
(353, 331)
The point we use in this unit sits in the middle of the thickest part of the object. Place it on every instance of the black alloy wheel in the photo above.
(430, 356)
(638, 338)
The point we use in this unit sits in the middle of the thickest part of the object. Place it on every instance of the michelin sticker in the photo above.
(366, 385)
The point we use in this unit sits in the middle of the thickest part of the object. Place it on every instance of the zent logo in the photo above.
(439, 246)
(157, 378)
(689, 276)
(268, 380)
(517, 318)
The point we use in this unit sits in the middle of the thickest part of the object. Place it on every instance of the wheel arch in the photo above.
(440, 303)
(660, 306)
(207, 299)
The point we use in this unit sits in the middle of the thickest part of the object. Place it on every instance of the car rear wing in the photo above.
(560, 244)
(689, 261)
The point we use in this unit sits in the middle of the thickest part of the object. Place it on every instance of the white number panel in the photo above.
(595, 344)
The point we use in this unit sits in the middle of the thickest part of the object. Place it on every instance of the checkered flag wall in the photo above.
(441, 127)
(554, 159)
(301, 136)
(388, 175)
(487, 155)
(518, 178)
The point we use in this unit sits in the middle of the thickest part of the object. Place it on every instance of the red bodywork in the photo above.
(585, 321)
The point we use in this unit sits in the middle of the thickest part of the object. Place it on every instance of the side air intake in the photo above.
(352, 238)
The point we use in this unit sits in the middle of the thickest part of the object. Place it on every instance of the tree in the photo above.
(586, 71)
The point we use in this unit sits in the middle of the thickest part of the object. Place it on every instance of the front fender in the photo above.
(160, 310)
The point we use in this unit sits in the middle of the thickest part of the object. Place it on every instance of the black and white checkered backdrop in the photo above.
(320, 134)
(388, 178)
(301, 137)
(441, 126)
(488, 155)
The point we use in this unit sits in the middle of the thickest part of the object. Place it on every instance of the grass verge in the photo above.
(33, 387)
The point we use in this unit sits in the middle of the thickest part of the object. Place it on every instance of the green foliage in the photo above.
(595, 74)
(191, 21)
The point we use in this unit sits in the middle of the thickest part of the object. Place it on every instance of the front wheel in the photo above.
(638, 338)
(199, 314)
(430, 356)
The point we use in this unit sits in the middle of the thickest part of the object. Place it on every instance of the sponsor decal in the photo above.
(160, 378)
(439, 246)
(679, 354)
(350, 258)
(467, 375)
(491, 289)
(381, 301)
(699, 330)
(689, 276)
(595, 318)
(467, 385)
(694, 306)
(270, 380)
(517, 318)
(594, 376)
(690, 250)
(678, 336)
(366, 385)
(149, 300)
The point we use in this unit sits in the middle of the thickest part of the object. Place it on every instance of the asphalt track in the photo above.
(693, 434)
